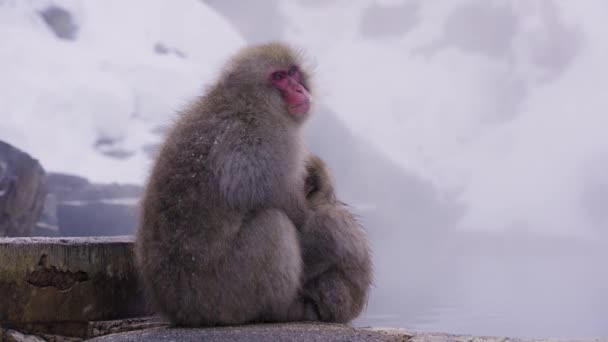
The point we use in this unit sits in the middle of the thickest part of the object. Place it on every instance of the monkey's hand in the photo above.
(314, 168)
(317, 184)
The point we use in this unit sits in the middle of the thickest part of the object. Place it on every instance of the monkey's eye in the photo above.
(292, 70)
(277, 76)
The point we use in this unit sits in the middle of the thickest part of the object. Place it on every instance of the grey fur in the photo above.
(218, 241)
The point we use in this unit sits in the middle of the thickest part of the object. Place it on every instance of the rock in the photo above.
(117, 326)
(77, 331)
(10, 335)
(303, 331)
(22, 191)
(15, 336)
(68, 279)
(77, 207)
(60, 21)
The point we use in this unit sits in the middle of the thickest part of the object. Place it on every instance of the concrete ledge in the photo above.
(261, 333)
(153, 329)
(68, 279)
(303, 331)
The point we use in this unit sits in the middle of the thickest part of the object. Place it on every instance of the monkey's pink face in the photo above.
(289, 83)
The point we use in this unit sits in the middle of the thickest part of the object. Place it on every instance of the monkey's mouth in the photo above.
(300, 108)
(298, 102)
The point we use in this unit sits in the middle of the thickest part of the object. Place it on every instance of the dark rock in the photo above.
(60, 21)
(78, 330)
(117, 153)
(16, 336)
(22, 191)
(112, 148)
(162, 49)
(100, 328)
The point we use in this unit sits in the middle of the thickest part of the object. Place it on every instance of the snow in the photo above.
(67, 102)
(501, 103)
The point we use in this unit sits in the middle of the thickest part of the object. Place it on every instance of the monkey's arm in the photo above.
(318, 186)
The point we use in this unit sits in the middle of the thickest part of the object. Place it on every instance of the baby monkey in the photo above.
(337, 263)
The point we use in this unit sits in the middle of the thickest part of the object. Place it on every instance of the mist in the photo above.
(469, 136)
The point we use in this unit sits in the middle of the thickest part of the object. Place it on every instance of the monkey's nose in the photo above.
(296, 86)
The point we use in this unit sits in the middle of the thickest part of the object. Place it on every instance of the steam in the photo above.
(499, 103)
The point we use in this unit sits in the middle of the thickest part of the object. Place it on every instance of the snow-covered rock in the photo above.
(86, 84)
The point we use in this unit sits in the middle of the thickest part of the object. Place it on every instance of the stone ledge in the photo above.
(83, 330)
(68, 279)
(154, 330)
(300, 331)
(305, 331)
